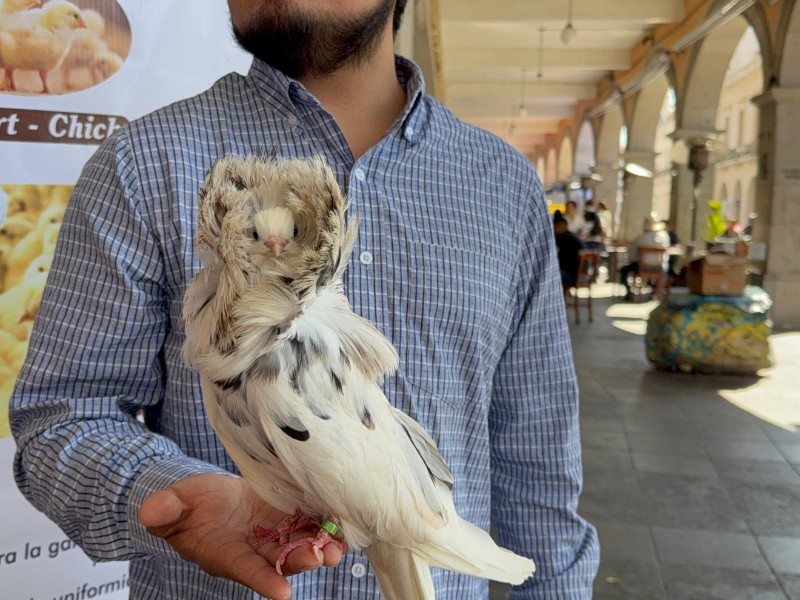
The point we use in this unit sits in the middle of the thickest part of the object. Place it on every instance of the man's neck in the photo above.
(364, 99)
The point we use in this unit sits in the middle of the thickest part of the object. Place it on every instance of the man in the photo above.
(592, 232)
(575, 220)
(568, 245)
(454, 262)
(652, 236)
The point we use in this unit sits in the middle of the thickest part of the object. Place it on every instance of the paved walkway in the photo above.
(692, 481)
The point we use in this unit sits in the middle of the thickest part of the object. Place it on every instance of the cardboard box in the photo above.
(719, 274)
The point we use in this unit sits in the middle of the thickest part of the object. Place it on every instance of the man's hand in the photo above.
(209, 519)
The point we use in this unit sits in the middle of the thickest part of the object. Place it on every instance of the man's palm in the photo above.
(209, 518)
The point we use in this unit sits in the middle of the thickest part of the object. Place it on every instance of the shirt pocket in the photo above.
(450, 305)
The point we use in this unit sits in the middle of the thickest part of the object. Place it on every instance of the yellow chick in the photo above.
(9, 7)
(38, 266)
(87, 46)
(38, 39)
(21, 302)
(14, 229)
(104, 65)
(22, 331)
(33, 244)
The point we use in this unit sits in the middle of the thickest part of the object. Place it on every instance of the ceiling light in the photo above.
(523, 111)
(638, 170)
(540, 70)
(568, 33)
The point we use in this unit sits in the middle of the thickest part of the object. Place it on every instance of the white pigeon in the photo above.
(290, 378)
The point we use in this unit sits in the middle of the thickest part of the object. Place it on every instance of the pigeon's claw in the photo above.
(291, 524)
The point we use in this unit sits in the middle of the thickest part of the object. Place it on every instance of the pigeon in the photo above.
(291, 379)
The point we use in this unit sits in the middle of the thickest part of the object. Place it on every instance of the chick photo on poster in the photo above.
(27, 241)
(60, 46)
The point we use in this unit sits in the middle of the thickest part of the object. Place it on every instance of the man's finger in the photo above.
(252, 570)
(162, 512)
(303, 558)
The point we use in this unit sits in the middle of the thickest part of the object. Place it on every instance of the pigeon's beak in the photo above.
(276, 245)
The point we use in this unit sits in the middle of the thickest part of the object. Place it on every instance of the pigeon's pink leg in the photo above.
(285, 528)
(281, 533)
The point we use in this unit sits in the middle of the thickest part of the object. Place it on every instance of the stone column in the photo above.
(692, 185)
(778, 201)
(638, 193)
(608, 189)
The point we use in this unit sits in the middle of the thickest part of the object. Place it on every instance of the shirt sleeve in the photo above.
(536, 453)
(93, 363)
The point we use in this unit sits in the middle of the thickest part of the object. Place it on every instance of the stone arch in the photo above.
(642, 151)
(699, 106)
(723, 192)
(708, 65)
(607, 150)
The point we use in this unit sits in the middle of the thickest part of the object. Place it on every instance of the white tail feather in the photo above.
(472, 551)
(401, 575)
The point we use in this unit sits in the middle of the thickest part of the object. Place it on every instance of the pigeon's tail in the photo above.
(472, 551)
(401, 575)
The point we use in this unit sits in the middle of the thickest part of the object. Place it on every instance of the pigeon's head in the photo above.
(273, 233)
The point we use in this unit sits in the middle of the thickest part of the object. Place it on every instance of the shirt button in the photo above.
(359, 174)
(409, 133)
(358, 570)
(293, 120)
(365, 258)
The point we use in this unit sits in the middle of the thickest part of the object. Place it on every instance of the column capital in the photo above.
(777, 95)
(639, 155)
(605, 168)
(696, 136)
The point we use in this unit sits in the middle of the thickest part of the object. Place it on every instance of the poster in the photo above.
(71, 74)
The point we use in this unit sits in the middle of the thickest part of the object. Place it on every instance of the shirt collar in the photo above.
(274, 87)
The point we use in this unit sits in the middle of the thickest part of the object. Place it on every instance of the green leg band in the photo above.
(331, 527)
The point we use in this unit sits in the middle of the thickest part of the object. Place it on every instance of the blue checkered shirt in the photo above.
(455, 263)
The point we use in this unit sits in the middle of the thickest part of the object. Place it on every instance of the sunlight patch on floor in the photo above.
(776, 397)
(636, 327)
(630, 317)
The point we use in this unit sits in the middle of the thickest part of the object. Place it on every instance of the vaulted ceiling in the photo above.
(507, 67)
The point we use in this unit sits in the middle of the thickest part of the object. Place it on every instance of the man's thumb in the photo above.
(162, 513)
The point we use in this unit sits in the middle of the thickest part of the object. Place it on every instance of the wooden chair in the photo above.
(587, 275)
(651, 267)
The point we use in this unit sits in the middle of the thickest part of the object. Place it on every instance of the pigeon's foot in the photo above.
(281, 533)
(292, 524)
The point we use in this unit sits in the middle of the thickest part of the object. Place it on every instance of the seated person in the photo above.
(575, 221)
(652, 236)
(568, 245)
(592, 233)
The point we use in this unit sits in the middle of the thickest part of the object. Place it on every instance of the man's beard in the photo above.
(300, 44)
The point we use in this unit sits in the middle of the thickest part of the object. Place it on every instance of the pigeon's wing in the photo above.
(239, 430)
(348, 449)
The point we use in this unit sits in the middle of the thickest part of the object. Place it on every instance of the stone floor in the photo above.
(692, 481)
